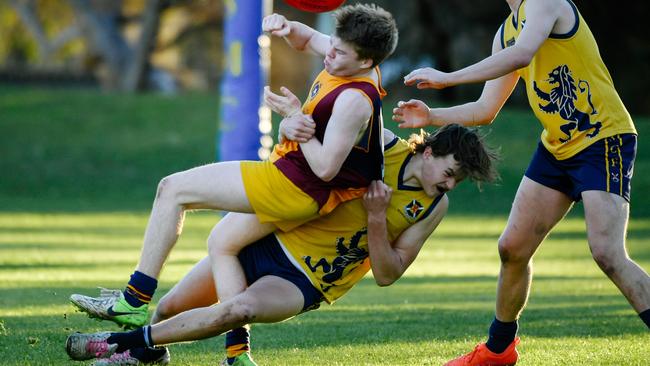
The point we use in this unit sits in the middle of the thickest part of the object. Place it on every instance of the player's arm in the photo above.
(415, 113)
(389, 260)
(299, 36)
(541, 17)
(350, 114)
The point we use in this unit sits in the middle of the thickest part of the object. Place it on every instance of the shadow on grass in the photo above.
(108, 265)
(415, 309)
(414, 290)
(371, 325)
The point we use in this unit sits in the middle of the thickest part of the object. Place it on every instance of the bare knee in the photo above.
(166, 189)
(240, 311)
(606, 260)
(513, 252)
(167, 307)
(216, 245)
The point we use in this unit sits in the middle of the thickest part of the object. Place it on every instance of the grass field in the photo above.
(79, 169)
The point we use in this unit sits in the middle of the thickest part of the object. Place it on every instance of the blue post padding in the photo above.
(238, 137)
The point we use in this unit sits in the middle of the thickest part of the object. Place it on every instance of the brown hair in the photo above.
(371, 30)
(475, 158)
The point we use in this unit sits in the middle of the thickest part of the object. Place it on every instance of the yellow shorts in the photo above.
(274, 197)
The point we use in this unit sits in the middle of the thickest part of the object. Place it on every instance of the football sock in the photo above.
(501, 335)
(138, 338)
(237, 342)
(140, 289)
(148, 354)
(645, 316)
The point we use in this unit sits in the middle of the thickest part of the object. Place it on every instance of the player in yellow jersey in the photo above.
(586, 153)
(302, 180)
(292, 272)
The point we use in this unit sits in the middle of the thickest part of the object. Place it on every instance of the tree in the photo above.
(100, 24)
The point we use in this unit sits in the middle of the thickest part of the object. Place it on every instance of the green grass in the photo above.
(72, 150)
(79, 172)
(81, 149)
(441, 308)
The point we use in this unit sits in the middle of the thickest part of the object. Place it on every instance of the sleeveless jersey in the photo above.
(364, 163)
(333, 250)
(569, 88)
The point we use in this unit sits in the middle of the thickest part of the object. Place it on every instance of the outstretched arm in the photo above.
(541, 17)
(299, 36)
(389, 260)
(415, 113)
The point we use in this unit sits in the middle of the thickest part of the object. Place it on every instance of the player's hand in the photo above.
(377, 198)
(299, 128)
(411, 114)
(427, 78)
(285, 105)
(276, 24)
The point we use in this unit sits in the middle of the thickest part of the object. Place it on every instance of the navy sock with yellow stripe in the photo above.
(237, 342)
(140, 289)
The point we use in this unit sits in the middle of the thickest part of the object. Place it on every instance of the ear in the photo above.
(366, 64)
(427, 153)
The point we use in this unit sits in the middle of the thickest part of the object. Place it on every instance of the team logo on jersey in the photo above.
(510, 42)
(314, 90)
(413, 209)
(347, 255)
(561, 100)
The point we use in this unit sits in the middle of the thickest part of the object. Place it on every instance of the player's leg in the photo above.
(607, 216)
(216, 186)
(213, 186)
(195, 290)
(229, 236)
(269, 299)
(545, 195)
(535, 211)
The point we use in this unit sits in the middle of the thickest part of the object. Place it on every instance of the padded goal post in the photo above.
(244, 124)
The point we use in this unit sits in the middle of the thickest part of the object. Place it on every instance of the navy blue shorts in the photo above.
(265, 257)
(606, 165)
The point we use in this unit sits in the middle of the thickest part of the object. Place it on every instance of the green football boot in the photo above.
(244, 359)
(111, 305)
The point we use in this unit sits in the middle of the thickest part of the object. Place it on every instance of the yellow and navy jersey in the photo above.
(364, 163)
(569, 88)
(333, 250)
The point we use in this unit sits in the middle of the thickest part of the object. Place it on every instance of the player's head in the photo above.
(451, 154)
(367, 33)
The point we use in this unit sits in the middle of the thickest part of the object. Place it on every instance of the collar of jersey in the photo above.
(400, 176)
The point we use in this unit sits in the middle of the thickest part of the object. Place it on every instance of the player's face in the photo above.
(342, 60)
(439, 173)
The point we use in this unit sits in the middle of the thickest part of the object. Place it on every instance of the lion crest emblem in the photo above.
(347, 255)
(562, 99)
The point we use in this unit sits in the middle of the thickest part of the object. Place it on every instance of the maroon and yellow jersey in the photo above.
(364, 163)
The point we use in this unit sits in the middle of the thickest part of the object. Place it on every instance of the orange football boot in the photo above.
(482, 356)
